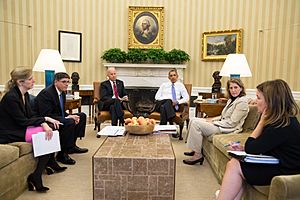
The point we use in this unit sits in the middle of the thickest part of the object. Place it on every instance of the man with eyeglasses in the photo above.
(50, 102)
(169, 96)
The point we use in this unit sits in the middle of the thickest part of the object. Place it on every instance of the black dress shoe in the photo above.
(51, 170)
(65, 159)
(189, 153)
(53, 167)
(77, 149)
(192, 162)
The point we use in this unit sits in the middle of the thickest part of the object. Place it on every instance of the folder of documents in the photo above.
(41, 146)
(252, 158)
(165, 129)
(112, 131)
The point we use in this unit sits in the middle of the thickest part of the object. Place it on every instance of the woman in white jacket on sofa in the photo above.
(231, 120)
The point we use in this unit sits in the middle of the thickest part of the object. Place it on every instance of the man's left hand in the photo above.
(75, 117)
(175, 102)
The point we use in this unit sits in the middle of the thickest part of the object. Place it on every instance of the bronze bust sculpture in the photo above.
(216, 87)
(75, 77)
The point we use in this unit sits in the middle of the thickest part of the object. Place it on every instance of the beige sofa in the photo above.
(282, 187)
(16, 163)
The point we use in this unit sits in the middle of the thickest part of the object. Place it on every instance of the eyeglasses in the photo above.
(64, 82)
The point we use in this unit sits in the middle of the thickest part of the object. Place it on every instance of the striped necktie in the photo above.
(115, 89)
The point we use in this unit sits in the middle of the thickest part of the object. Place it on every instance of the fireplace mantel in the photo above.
(145, 75)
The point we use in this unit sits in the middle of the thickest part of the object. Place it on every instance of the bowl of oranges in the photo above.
(139, 126)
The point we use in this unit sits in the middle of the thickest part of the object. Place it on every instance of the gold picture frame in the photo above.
(145, 28)
(216, 45)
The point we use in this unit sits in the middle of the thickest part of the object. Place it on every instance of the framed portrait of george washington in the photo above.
(145, 28)
(216, 45)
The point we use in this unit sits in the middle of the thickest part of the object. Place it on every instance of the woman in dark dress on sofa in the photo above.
(17, 122)
(277, 134)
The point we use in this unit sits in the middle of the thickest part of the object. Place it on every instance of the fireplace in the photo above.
(142, 81)
(141, 100)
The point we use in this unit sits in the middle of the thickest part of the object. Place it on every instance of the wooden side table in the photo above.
(73, 104)
(210, 109)
(87, 94)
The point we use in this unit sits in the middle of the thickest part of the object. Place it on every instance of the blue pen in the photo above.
(227, 145)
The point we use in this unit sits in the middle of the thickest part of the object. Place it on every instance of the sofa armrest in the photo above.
(285, 187)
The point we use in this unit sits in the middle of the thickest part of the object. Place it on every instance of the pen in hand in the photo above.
(232, 143)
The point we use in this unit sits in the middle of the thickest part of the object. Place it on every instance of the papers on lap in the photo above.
(252, 158)
(112, 131)
(41, 146)
(165, 129)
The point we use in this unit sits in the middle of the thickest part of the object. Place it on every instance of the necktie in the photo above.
(115, 90)
(174, 96)
(62, 105)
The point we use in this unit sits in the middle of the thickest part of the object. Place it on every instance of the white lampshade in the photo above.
(49, 59)
(236, 65)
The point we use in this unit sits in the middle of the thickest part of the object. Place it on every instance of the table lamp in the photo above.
(50, 62)
(235, 66)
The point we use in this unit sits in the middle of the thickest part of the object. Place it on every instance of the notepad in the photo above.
(165, 129)
(252, 158)
(112, 131)
(41, 146)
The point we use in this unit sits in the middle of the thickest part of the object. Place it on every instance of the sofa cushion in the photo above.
(8, 154)
(24, 147)
(262, 189)
(298, 116)
(252, 119)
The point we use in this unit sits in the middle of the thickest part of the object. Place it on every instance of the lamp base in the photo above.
(235, 76)
(49, 77)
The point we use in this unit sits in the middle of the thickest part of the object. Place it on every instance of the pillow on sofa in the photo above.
(8, 154)
(252, 119)
(24, 147)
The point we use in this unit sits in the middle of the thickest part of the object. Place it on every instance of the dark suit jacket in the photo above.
(106, 91)
(47, 103)
(15, 117)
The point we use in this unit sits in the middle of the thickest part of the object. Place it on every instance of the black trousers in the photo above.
(70, 131)
(115, 108)
(166, 110)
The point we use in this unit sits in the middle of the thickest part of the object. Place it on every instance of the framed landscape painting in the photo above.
(216, 45)
(145, 28)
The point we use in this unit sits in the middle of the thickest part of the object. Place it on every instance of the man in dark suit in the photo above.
(50, 102)
(112, 94)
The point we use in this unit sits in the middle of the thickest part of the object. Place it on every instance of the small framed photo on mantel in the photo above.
(69, 46)
(216, 45)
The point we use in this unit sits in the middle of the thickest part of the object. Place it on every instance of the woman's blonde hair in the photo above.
(239, 83)
(280, 102)
(19, 73)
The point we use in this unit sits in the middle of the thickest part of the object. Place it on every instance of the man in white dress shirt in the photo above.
(169, 96)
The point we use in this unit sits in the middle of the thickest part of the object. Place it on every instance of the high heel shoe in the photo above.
(36, 184)
(189, 153)
(192, 162)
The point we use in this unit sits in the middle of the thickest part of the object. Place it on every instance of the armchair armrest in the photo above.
(185, 111)
(285, 187)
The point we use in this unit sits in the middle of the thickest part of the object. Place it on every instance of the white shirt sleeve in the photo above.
(165, 92)
(182, 93)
